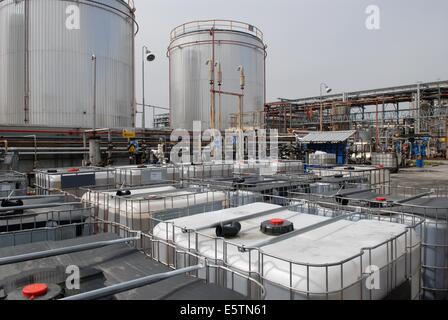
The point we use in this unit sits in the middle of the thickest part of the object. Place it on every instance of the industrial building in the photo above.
(295, 199)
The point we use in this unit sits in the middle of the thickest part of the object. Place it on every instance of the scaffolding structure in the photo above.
(414, 110)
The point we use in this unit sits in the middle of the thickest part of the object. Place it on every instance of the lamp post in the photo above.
(327, 90)
(146, 56)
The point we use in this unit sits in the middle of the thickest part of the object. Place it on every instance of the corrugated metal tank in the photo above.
(233, 44)
(46, 70)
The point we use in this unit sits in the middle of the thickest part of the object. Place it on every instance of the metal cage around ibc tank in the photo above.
(136, 207)
(400, 253)
(59, 239)
(72, 180)
(12, 183)
(429, 204)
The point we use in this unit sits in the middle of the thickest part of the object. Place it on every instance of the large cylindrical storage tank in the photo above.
(46, 66)
(232, 44)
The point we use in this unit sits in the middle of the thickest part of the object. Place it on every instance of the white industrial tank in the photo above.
(139, 208)
(228, 43)
(46, 65)
(323, 258)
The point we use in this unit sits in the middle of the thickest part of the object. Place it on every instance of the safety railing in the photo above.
(217, 25)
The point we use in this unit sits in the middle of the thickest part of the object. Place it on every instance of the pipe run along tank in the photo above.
(46, 65)
(230, 43)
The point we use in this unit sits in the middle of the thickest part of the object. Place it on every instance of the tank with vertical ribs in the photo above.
(228, 43)
(46, 69)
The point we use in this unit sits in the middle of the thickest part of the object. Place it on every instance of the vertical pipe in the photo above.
(220, 108)
(264, 66)
(169, 88)
(377, 129)
(35, 152)
(284, 119)
(242, 110)
(27, 64)
(321, 111)
(446, 137)
(133, 101)
(84, 143)
(109, 149)
(417, 127)
(94, 93)
(219, 95)
(239, 112)
(212, 83)
(241, 100)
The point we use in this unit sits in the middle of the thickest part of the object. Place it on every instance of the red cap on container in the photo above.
(277, 222)
(35, 290)
(380, 199)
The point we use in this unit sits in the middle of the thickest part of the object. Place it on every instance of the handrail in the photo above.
(130, 285)
(215, 24)
(66, 250)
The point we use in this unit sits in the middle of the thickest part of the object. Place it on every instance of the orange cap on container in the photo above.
(35, 290)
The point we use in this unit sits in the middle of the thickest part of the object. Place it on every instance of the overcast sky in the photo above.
(312, 41)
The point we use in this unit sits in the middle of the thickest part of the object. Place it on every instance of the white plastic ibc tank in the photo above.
(309, 263)
(107, 203)
(141, 209)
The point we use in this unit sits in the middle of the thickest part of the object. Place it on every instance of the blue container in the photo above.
(420, 163)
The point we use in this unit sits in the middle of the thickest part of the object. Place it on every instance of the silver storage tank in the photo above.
(46, 66)
(234, 44)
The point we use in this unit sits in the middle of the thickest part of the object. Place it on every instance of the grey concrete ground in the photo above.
(429, 176)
